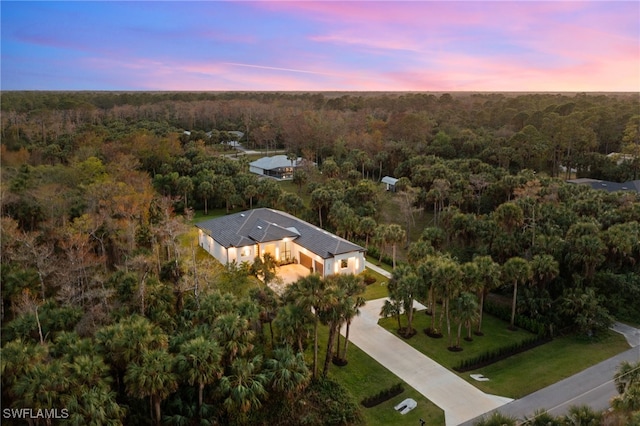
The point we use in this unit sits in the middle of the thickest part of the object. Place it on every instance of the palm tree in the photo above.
(366, 227)
(199, 363)
(287, 372)
(293, 322)
(405, 286)
(394, 235)
(515, 271)
(268, 301)
(124, 343)
(153, 377)
(544, 269)
(250, 192)
(332, 315)
(42, 385)
(354, 288)
(321, 199)
(244, 387)
(626, 376)
(379, 237)
(627, 381)
(446, 279)
(313, 293)
(489, 279)
(465, 311)
(90, 398)
(234, 336)
(509, 216)
(206, 191)
(582, 416)
(392, 307)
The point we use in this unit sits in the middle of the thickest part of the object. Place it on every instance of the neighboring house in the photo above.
(235, 142)
(390, 183)
(278, 167)
(242, 236)
(605, 185)
(620, 158)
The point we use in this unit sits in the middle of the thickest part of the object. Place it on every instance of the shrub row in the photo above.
(382, 396)
(375, 253)
(504, 313)
(499, 354)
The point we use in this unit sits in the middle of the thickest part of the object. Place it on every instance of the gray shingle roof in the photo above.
(275, 162)
(263, 225)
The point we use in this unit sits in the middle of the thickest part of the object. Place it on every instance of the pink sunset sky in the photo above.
(322, 46)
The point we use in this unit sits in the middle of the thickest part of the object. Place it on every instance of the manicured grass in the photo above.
(537, 368)
(363, 376)
(496, 335)
(378, 289)
(520, 374)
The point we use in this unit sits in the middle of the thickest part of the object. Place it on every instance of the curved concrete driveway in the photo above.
(460, 400)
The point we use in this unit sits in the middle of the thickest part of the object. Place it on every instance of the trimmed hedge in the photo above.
(499, 354)
(375, 253)
(382, 396)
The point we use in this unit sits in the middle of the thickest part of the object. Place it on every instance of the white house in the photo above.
(278, 167)
(242, 236)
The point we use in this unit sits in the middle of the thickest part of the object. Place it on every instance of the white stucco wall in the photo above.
(355, 263)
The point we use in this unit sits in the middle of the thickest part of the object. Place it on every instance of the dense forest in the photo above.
(101, 283)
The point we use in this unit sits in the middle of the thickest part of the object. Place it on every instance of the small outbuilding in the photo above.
(390, 183)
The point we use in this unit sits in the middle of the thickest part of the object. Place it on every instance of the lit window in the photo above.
(246, 251)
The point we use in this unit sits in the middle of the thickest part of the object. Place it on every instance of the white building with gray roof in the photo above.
(242, 236)
(277, 166)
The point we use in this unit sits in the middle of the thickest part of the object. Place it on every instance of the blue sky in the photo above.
(322, 45)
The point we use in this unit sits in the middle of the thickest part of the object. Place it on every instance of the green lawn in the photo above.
(537, 368)
(520, 374)
(378, 289)
(496, 335)
(363, 376)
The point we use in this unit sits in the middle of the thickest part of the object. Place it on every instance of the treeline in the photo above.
(96, 276)
(543, 132)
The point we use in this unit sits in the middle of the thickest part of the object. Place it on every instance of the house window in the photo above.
(286, 250)
(246, 251)
(344, 263)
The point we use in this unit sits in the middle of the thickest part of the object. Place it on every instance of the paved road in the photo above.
(459, 399)
(593, 387)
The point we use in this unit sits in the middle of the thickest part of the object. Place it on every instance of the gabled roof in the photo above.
(264, 225)
(633, 185)
(275, 162)
(389, 180)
